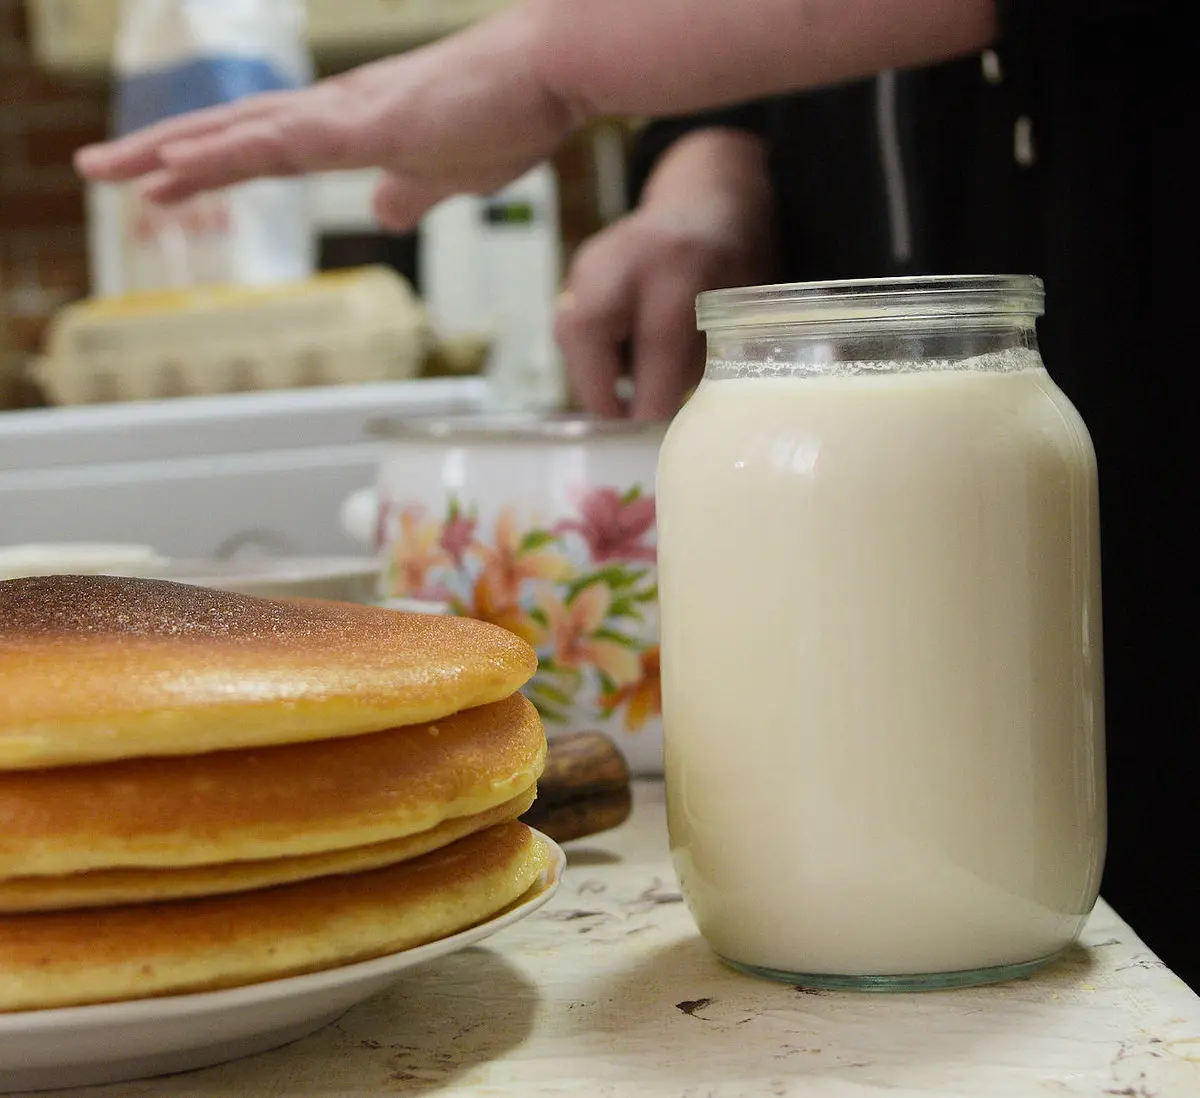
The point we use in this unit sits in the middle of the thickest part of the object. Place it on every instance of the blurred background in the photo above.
(173, 379)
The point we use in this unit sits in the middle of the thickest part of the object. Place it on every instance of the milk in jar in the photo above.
(880, 616)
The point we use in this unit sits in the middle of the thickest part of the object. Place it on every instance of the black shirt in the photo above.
(1060, 154)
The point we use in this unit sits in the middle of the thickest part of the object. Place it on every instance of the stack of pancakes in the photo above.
(202, 790)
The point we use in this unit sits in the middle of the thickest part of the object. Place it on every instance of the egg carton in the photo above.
(362, 325)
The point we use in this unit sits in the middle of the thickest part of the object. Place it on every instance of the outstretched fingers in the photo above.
(597, 318)
(668, 350)
(401, 201)
(139, 153)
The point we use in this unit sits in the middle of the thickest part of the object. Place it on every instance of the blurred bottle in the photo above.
(176, 56)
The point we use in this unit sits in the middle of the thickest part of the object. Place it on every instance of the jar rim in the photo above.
(906, 298)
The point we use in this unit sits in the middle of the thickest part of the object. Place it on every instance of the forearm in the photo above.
(712, 162)
(656, 138)
(704, 222)
(677, 56)
(723, 176)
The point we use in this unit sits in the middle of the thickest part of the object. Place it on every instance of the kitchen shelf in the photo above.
(75, 37)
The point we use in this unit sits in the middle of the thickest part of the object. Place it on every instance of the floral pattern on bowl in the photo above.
(583, 591)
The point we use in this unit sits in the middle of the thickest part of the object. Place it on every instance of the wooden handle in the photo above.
(583, 790)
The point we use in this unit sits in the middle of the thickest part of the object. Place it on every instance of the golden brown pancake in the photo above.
(113, 887)
(101, 667)
(72, 958)
(271, 802)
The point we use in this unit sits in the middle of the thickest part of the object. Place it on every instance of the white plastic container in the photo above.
(173, 57)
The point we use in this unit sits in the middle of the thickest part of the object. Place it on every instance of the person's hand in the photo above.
(467, 114)
(705, 223)
(475, 110)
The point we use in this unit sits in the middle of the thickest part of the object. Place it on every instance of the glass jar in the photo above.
(880, 621)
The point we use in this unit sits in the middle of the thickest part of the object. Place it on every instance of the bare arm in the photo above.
(705, 221)
(679, 56)
(477, 109)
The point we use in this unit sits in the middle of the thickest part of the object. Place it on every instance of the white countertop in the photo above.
(609, 991)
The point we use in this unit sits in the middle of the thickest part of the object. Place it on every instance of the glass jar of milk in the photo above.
(880, 620)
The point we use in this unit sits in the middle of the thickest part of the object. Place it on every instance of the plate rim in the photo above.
(164, 1007)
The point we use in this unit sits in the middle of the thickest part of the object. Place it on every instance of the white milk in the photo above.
(881, 669)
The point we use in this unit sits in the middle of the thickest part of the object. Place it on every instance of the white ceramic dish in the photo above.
(109, 1043)
(49, 559)
(346, 579)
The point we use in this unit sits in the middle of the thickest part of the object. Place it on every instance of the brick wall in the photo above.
(43, 252)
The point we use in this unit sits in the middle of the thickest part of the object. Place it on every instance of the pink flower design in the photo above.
(415, 554)
(614, 527)
(508, 615)
(507, 564)
(458, 535)
(643, 698)
(571, 627)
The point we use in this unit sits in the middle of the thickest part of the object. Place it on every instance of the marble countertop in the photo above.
(608, 990)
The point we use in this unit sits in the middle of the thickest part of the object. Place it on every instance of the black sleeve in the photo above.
(1020, 20)
(1015, 18)
(660, 134)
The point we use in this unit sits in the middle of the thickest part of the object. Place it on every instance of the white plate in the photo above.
(347, 579)
(116, 1042)
(55, 558)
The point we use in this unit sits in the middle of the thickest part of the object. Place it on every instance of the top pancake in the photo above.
(95, 668)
